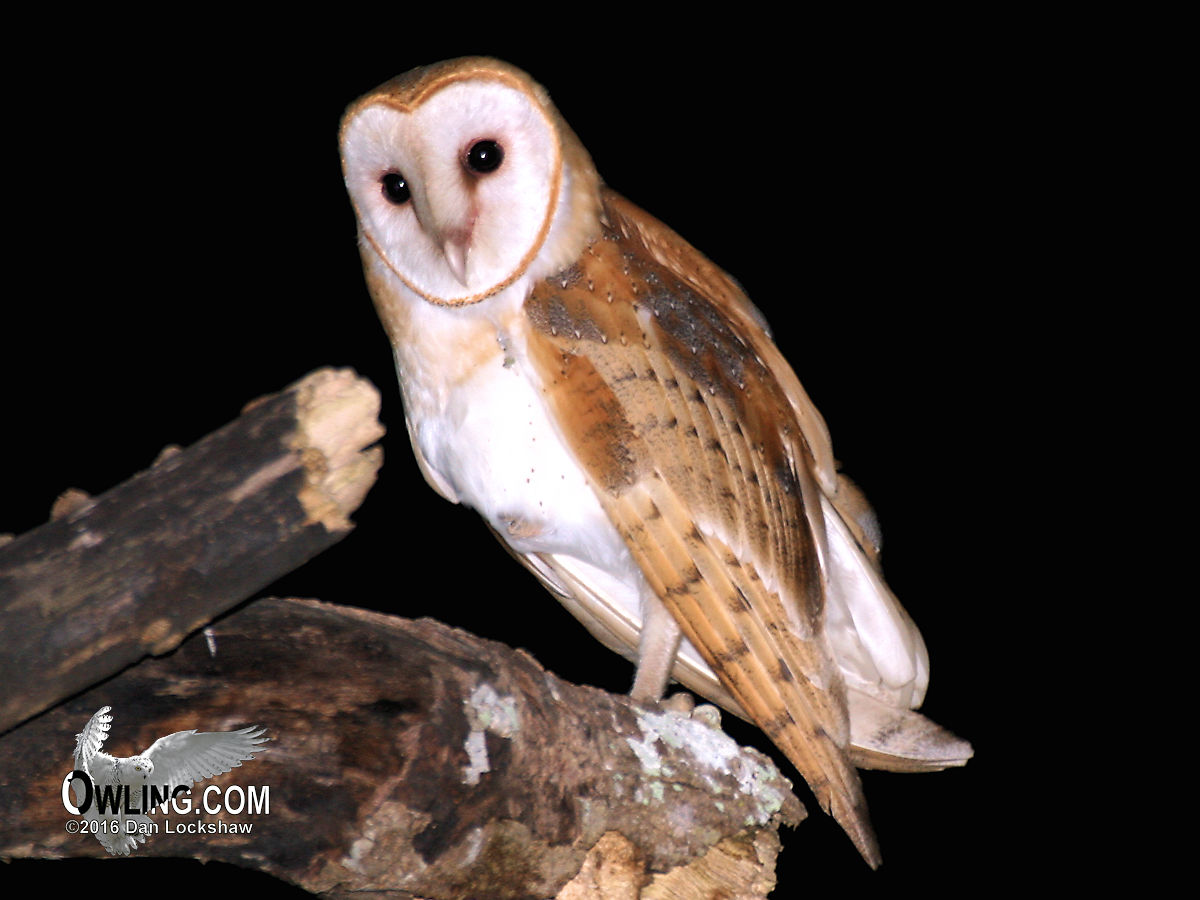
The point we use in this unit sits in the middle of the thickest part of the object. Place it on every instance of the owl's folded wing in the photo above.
(864, 619)
(697, 456)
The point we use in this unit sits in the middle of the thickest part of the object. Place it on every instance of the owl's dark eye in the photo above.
(484, 157)
(395, 188)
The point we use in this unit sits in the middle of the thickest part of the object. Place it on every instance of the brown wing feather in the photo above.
(698, 454)
(689, 264)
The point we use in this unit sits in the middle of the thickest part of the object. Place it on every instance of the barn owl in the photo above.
(180, 759)
(614, 407)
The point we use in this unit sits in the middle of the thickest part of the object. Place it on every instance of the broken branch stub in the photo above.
(133, 571)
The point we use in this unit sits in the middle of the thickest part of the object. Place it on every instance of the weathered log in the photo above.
(415, 760)
(135, 570)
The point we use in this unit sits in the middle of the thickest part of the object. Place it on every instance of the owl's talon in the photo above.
(682, 703)
(708, 714)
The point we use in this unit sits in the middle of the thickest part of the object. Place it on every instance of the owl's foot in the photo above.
(682, 703)
(708, 714)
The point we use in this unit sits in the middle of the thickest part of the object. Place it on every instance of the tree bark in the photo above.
(416, 760)
(132, 572)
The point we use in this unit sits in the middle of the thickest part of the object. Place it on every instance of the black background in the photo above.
(185, 245)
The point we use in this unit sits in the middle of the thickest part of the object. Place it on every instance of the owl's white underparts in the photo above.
(614, 407)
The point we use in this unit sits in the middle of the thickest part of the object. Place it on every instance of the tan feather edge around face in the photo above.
(405, 92)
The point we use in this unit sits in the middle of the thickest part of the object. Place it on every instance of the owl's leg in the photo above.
(656, 650)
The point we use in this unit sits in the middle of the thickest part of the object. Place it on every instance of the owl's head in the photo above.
(464, 178)
(141, 765)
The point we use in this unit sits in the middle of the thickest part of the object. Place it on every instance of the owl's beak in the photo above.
(451, 228)
(451, 225)
(456, 247)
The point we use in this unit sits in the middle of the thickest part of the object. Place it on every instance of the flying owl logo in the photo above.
(176, 761)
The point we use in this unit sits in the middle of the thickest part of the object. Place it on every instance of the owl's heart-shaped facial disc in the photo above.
(456, 186)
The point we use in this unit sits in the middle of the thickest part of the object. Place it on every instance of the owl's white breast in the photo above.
(476, 416)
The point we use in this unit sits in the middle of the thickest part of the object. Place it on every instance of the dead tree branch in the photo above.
(416, 760)
(135, 570)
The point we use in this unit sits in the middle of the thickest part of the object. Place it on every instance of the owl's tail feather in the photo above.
(900, 740)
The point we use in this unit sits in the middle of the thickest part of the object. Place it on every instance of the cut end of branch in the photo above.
(338, 422)
(69, 502)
